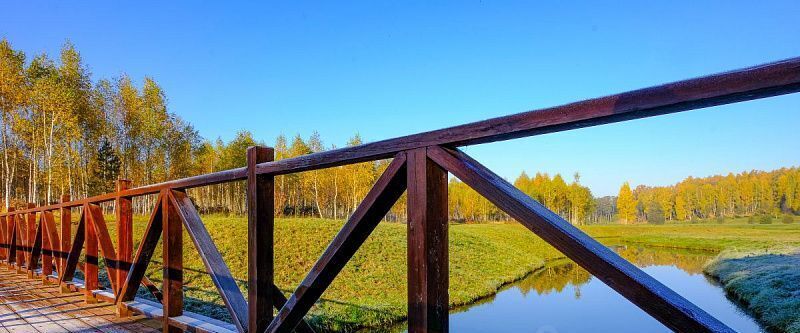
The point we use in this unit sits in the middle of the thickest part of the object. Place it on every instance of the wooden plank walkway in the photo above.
(26, 305)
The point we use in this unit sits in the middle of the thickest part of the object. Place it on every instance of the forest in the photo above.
(64, 132)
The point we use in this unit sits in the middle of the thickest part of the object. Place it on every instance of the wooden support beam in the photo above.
(136, 274)
(172, 236)
(3, 238)
(75, 252)
(212, 259)
(95, 214)
(260, 240)
(19, 241)
(66, 233)
(428, 273)
(8, 223)
(50, 243)
(359, 226)
(124, 214)
(36, 249)
(647, 293)
(11, 254)
(91, 255)
(30, 237)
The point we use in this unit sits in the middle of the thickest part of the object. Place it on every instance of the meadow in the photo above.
(371, 290)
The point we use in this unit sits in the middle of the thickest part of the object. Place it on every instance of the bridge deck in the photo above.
(28, 306)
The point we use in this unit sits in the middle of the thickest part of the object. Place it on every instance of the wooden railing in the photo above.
(420, 164)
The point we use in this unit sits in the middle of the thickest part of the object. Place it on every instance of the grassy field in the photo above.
(767, 282)
(371, 290)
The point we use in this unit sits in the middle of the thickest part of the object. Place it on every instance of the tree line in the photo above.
(750, 193)
(64, 133)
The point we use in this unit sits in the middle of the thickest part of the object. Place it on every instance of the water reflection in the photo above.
(562, 297)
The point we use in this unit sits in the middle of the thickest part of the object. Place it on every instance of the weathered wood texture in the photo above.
(260, 240)
(123, 211)
(427, 244)
(172, 250)
(44, 309)
(662, 303)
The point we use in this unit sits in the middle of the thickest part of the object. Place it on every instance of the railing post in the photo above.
(427, 244)
(90, 269)
(9, 222)
(124, 217)
(3, 238)
(172, 242)
(47, 248)
(260, 225)
(65, 217)
(30, 237)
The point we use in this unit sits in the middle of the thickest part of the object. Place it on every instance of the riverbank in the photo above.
(766, 282)
(371, 290)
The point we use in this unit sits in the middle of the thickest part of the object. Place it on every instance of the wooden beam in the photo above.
(12, 238)
(359, 226)
(19, 241)
(260, 238)
(147, 247)
(428, 273)
(91, 255)
(75, 252)
(95, 214)
(51, 243)
(212, 259)
(647, 293)
(30, 237)
(35, 248)
(172, 236)
(124, 214)
(66, 233)
(3, 238)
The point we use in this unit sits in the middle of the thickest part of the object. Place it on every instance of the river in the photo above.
(564, 298)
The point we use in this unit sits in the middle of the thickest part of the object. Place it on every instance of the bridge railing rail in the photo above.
(420, 165)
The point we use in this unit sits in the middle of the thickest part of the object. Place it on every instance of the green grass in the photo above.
(371, 290)
(767, 282)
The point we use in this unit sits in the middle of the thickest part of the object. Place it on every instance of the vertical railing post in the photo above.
(30, 237)
(427, 244)
(3, 238)
(19, 243)
(90, 269)
(9, 221)
(65, 217)
(124, 217)
(47, 248)
(260, 225)
(172, 241)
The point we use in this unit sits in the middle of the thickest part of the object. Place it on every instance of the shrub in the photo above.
(787, 219)
(765, 219)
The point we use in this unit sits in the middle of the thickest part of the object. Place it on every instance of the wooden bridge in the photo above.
(39, 290)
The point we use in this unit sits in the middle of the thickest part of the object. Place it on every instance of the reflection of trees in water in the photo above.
(688, 261)
(556, 277)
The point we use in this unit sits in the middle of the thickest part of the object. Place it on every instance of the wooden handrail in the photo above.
(767, 80)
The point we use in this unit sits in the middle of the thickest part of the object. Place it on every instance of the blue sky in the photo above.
(385, 69)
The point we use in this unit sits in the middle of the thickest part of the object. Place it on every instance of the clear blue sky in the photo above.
(385, 69)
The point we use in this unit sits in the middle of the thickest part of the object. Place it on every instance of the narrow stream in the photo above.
(563, 297)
